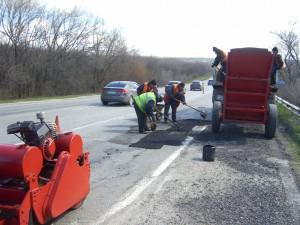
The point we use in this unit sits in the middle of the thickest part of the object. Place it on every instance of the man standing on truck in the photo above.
(147, 87)
(221, 58)
(277, 65)
(174, 94)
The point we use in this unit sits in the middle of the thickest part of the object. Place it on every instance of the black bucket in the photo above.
(208, 153)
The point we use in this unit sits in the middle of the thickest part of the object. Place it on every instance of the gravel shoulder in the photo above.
(250, 182)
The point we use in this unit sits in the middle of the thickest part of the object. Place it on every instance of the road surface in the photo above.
(159, 177)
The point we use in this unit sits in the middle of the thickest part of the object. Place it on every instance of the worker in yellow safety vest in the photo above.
(144, 106)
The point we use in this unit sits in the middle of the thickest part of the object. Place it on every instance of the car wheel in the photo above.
(104, 102)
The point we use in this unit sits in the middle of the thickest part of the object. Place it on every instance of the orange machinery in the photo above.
(44, 177)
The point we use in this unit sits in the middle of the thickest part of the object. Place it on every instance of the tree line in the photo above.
(50, 52)
(288, 41)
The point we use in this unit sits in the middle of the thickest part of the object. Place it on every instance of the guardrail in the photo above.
(290, 106)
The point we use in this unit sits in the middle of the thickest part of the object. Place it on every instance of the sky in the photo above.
(190, 28)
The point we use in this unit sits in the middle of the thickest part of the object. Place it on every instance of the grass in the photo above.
(291, 122)
(42, 98)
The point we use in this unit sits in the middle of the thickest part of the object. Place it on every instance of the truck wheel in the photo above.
(216, 116)
(271, 124)
(213, 96)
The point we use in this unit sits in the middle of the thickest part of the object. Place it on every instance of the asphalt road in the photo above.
(159, 177)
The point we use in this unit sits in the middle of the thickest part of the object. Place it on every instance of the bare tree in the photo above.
(289, 42)
(19, 20)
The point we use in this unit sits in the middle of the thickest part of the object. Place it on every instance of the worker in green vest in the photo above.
(144, 105)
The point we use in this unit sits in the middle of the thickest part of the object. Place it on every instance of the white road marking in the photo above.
(90, 125)
(97, 123)
(133, 194)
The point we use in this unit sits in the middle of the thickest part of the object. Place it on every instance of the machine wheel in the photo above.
(158, 116)
(271, 124)
(216, 116)
(32, 219)
(78, 205)
(104, 102)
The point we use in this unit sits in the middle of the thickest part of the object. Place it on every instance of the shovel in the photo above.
(202, 113)
(174, 124)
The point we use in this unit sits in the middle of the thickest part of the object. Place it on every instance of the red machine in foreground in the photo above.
(44, 177)
(246, 95)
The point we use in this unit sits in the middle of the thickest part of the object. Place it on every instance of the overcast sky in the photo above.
(189, 28)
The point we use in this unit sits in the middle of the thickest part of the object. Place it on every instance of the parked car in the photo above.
(196, 85)
(119, 91)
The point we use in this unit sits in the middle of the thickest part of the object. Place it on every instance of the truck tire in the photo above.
(271, 124)
(216, 116)
(216, 91)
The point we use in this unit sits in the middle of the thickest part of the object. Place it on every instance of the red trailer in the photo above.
(247, 91)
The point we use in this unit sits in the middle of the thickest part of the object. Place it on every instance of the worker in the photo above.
(147, 87)
(144, 106)
(221, 59)
(277, 65)
(174, 95)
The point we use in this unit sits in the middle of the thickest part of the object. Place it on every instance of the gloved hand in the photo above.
(184, 103)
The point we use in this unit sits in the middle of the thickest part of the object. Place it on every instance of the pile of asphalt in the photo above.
(174, 136)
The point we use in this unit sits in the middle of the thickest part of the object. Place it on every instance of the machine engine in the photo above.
(44, 177)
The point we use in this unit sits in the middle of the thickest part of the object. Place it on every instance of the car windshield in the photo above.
(196, 82)
(174, 82)
(116, 84)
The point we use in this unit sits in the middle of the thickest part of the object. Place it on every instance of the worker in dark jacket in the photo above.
(147, 87)
(221, 59)
(174, 95)
(277, 65)
(144, 106)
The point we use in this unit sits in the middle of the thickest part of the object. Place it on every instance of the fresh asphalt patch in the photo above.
(172, 136)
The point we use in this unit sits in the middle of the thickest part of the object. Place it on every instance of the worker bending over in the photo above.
(174, 94)
(147, 87)
(144, 105)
